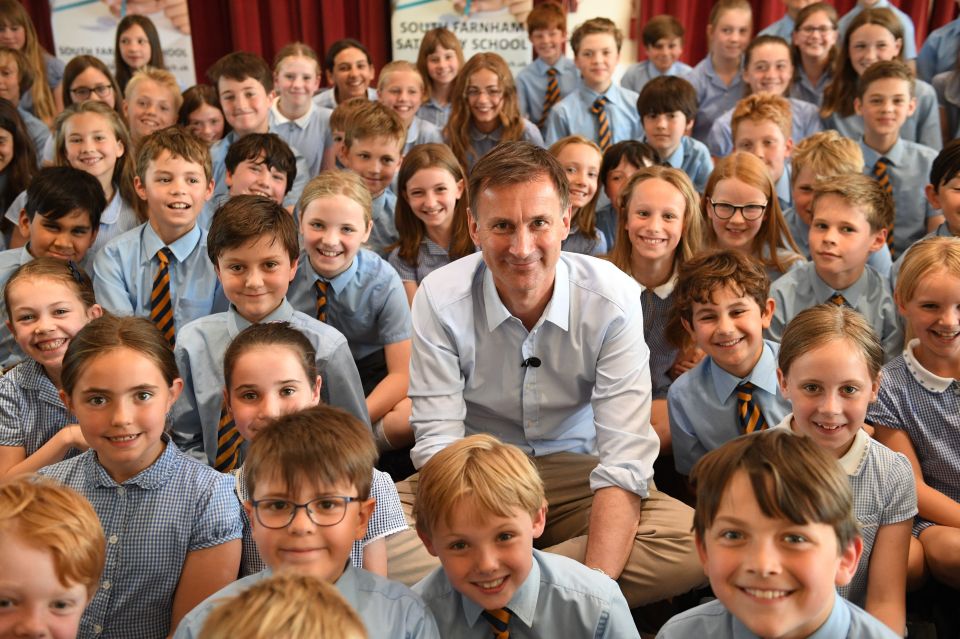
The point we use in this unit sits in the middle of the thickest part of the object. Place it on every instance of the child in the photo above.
(256, 394)
(20, 165)
(620, 161)
(359, 294)
(667, 107)
(401, 88)
(480, 504)
(722, 300)
(814, 51)
(830, 362)
(551, 76)
(151, 102)
(201, 114)
(51, 556)
(485, 111)
(906, 24)
(947, 86)
(19, 33)
(160, 269)
(885, 99)
(137, 46)
(916, 409)
(851, 214)
(660, 229)
(88, 78)
(784, 27)
(48, 301)
(253, 247)
(718, 78)
(350, 70)
(743, 213)
(939, 51)
(293, 116)
(598, 109)
(761, 125)
(321, 460)
(373, 149)
(15, 81)
(431, 215)
(943, 191)
(173, 524)
(580, 159)
(663, 44)
(776, 534)
(439, 59)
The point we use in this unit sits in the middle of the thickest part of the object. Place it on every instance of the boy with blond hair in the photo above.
(761, 124)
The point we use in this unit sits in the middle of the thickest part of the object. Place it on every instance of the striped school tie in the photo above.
(498, 620)
(551, 96)
(228, 442)
(161, 308)
(604, 135)
(838, 300)
(883, 179)
(322, 300)
(751, 419)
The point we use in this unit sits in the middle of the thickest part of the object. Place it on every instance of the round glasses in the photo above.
(824, 30)
(725, 210)
(323, 511)
(83, 93)
(474, 93)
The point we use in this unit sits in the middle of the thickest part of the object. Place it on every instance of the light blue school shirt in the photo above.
(782, 28)
(880, 261)
(846, 621)
(307, 133)
(870, 295)
(908, 169)
(804, 89)
(10, 261)
(942, 231)
(640, 73)
(434, 112)
(578, 242)
(714, 97)
(782, 187)
(559, 598)
(367, 303)
(693, 158)
(218, 157)
(909, 32)
(703, 405)
(939, 51)
(481, 143)
(199, 352)
(384, 231)
(947, 86)
(421, 132)
(38, 131)
(607, 223)
(328, 98)
(532, 85)
(572, 115)
(125, 268)
(805, 121)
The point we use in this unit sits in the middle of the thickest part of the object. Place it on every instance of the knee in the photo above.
(941, 549)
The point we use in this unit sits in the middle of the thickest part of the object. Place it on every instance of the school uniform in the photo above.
(31, 411)
(430, 257)
(388, 609)
(703, 405)
(151, 522)
(909, 32)
(922, 127)
(532, 83)
(573, 115)
(10, 261)
(782, 28)
(54, 67)
(218, 158)
(880, 260)
(657, 303)
(714, 97)
(481, 143)
(803, 88)
(942, 231)
(870, 295)
(38, 132)
(693, 158)
(434, 112)
(421, 132)
(308, 133)
(560, 597)
(384, 232)
(947, 86)
(577, 242)
(640, 73)
(939, 51)
(606, 221)
(199, 352)
(805, 121)
(328, 97)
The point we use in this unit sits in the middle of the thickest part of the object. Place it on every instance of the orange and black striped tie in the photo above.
(161, 306)
(838, 299)
(883, 179)
(498, 620)
(604, 136)
(322, 300)
(751, 419)
(551, 97)
(228, 442)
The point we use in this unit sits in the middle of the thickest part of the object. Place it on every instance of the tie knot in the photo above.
(599, 103)
(321, 287)
(745, 387)
(551, 72)
(499, 619)
(838, 299)
(164, 255)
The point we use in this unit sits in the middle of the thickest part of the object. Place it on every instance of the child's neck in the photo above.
(726, 68)
(881, 143)
(651, 273)
(813, 68)
(599, 87)
(551, 61)
(261, 318)
(263, 127)
(939, 366)
(441, 235)
(53, 372)
(744, 371)
(106, 182)
(441, 93)
(170, 234)
(291, 112)
(840, 281)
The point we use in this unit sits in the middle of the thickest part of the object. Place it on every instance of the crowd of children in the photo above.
(207, 328)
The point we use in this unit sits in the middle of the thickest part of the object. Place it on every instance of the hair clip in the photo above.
(75, 272)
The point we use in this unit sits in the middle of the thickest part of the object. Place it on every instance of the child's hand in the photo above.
(519, 8)
(71, 437)
(176, 10)
(685, 361)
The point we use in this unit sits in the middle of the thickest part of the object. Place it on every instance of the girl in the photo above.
(349, 72)
(742, 212)
(875, 35)
(151, 102)
(18, 161)
(48, 301)
(296, 77)
(659, 229)
(401, 88)
(438, 61)
(87, 78)
(580, 159)
(431, 215)
(173, 524)
(270, 370)
(917, 404)
(620, 161)
(45, 99)
(201, 114)
(137, 46)
(814, 51)
(484, 110)
(767, 68)
(830, 361)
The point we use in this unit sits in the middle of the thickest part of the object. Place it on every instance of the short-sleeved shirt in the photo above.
(430, 257)
(803, 88)
(578, 242)
(939, 51)
(54, 68)
(384, 232)
(532, 85)
(31, 411)
(421, 132)
(657, 303)
(307, 133)
(573, 115)
(714, 97)
(782, 28)
(640, 73)
(433, 111)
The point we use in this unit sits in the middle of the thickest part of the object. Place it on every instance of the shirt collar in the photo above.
(25, 255)
(149, 478)
(111, 214)
(522, 605)
(280, 118)
(852, 293)
(925, 378)
(943, 231)
(236, 322)
(852, 460)
(479, 136)
(181, 247)
(612, 94)
(894, 155)
(763, 375)
(557, 311)
(676, 158)
(413, 130)
(666, 289)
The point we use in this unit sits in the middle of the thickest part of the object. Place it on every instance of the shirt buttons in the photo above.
(113, 539)
(106, 585)
(98, 628)
(121, 490)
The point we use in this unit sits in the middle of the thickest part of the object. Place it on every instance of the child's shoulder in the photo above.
(386, 606)
(193, 333)
(325, 338)
(707, 620)
(11, 260)
(373, 269)
(124, 242)
(914, 152)
(192, 623)
(571, 576)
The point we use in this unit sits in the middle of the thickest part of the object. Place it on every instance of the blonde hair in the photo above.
(398, 66)
(930, 255)
(585, 219)
(761, 107)
(287, 605)
(859, 191)
(162, 77)
(817, 326)
(497, 478)
(374, 120)
(331, 183)
(826, 153)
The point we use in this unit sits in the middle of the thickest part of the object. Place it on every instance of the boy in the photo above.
(16, 78)
(151, 102)
(851, 214)
(783, 28)
(722, 300)
(598, 109)
(160, 269)
(776, 534)
(761, 124)
(885, 99)
(468, 495)
(551, 76)
(340, 119)
(909, 31)
(320, 460)
(373, 149)
(253, 247)
(663, 43)
(61, 220)
(51, 555)
(668, 106)
(401, 89)
(349, 70)
(244, 82)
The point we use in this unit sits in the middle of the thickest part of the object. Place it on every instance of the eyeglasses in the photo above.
(473, 93)
(818, 30)
(323, 511)
(725, 210)
(83, 93)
